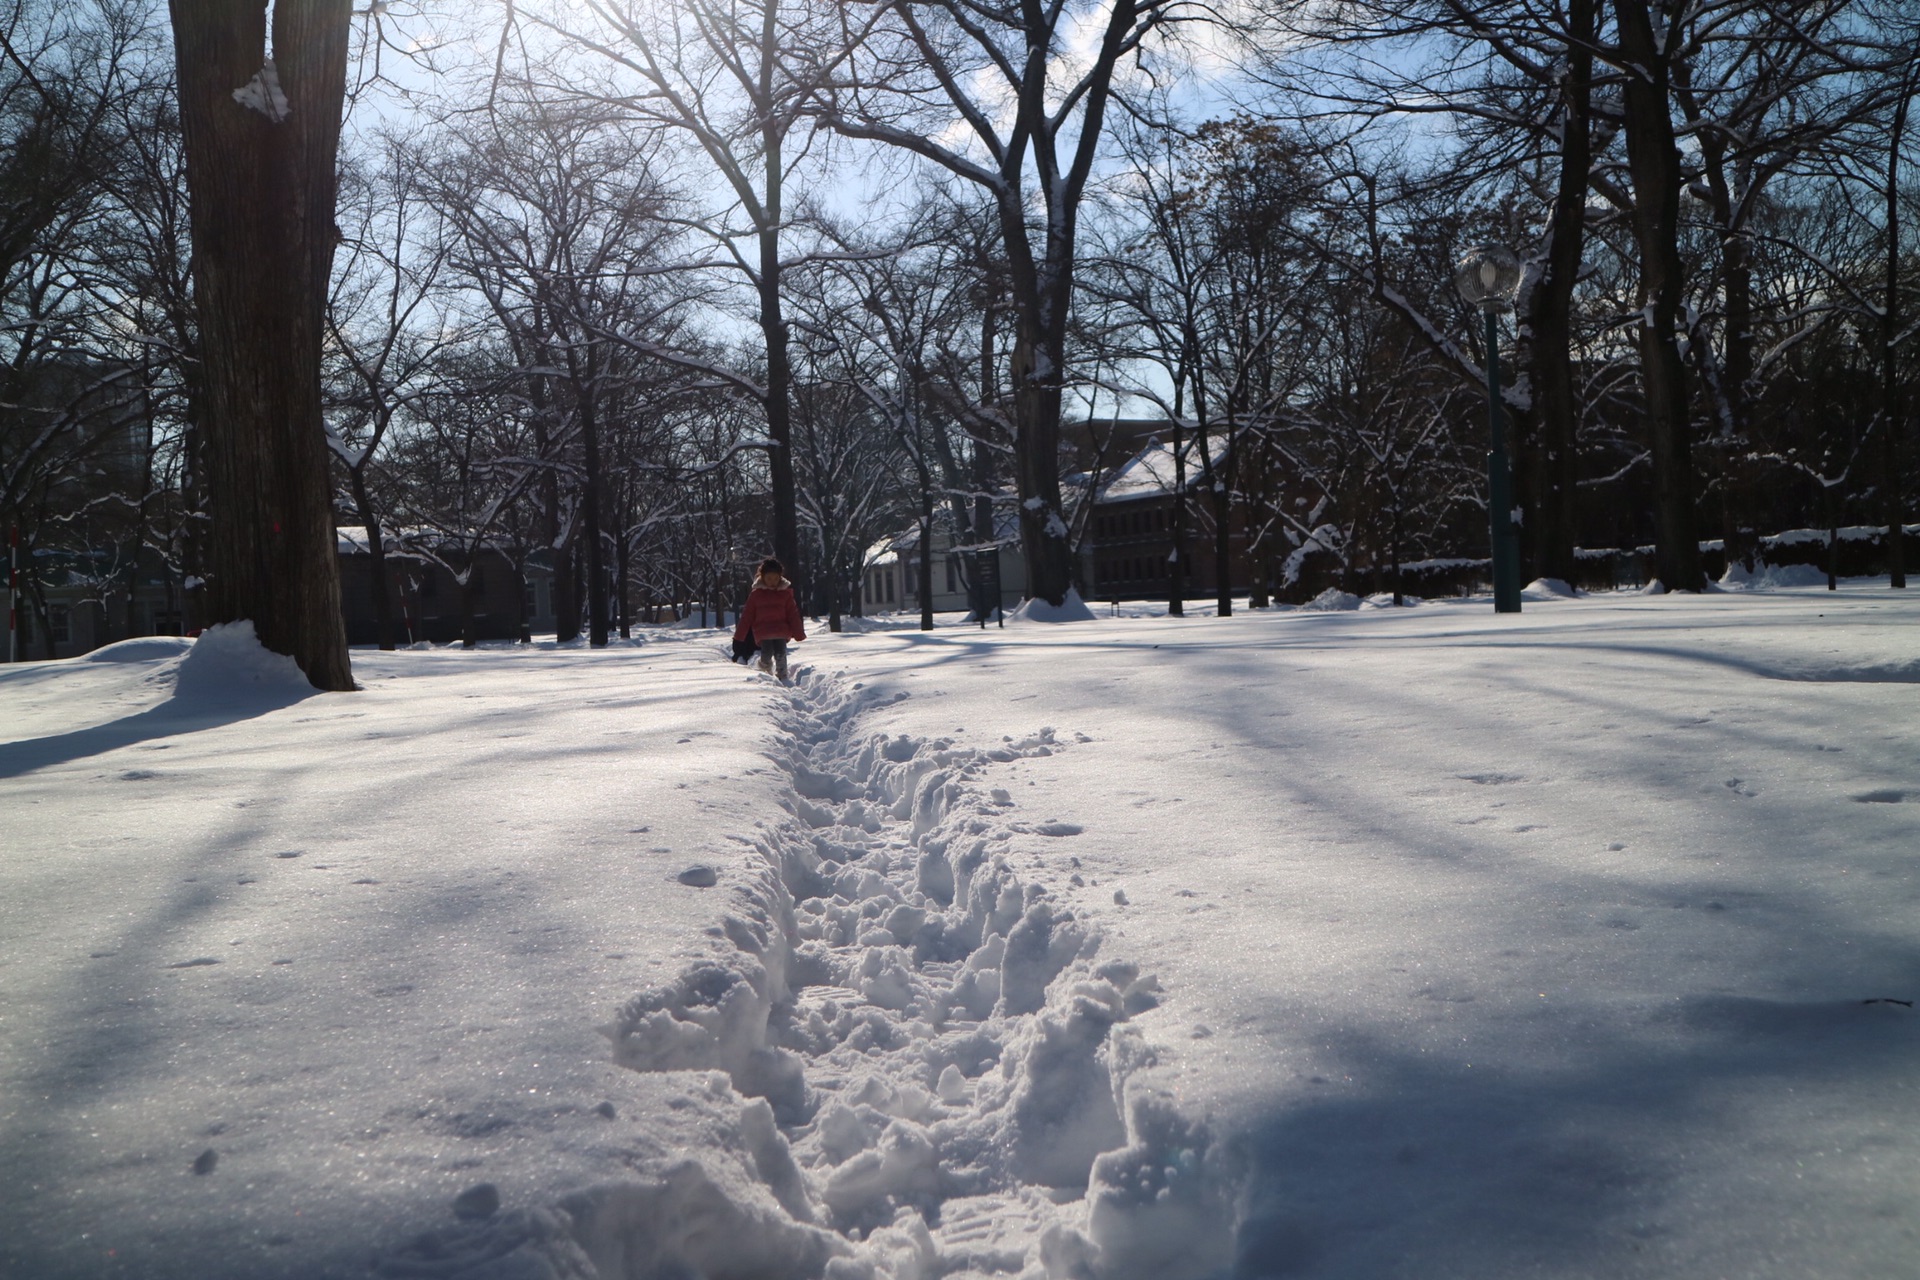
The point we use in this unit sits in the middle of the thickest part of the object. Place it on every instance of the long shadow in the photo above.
(1399, 1161)
(170, 719)
(944, 649)
(1440, 1169)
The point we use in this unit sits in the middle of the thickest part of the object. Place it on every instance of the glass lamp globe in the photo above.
(1488, 276)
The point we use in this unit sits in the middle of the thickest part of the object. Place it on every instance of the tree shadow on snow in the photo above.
(170, 719)
(1428, 1168)
(1607, 1141)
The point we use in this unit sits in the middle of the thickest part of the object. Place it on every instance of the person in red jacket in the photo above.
(771, 616)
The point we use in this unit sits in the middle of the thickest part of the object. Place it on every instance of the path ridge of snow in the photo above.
(931, 1057)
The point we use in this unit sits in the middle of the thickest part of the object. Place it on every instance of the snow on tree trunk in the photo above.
(261, 139)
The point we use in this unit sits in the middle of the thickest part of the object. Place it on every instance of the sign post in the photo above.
(987, 568)
(13, 593)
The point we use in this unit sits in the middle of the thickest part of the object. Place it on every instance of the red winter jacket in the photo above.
(771, 614)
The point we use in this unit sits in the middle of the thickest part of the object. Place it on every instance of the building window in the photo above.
(530, 598)
(429, 585)
(59, 624)
(476, 580)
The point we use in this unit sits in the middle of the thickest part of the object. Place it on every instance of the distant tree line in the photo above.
(642, 292)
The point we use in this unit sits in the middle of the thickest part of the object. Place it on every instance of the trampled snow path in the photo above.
(941, 1051)
(1578, 944)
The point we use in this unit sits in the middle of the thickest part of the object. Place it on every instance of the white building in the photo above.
(891, 580)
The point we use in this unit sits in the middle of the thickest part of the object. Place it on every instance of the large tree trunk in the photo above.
(566, 593)
(773, 327)
(260, 169)
(986, 481)
(1893, 421)
(1177, 524)
(926, 554)
(587, 389)
(1739, 534)
(1551, 454)
(1653, 160)
(1038, 357)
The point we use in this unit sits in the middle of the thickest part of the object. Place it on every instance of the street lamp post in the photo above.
(1488, 277)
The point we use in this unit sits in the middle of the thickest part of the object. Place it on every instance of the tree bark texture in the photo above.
(262, 179)
(1653, 161)
(1551, 462)
(1893, 417)
(1177, 522)
(773, 329)
(1038, 354)
(587, 391)
(1740, 537)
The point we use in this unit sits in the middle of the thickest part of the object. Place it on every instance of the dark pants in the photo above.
(773, 657)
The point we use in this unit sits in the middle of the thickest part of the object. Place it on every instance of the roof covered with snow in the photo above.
(1152, 471)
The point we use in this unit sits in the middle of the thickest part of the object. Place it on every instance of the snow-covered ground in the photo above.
(1342, 942)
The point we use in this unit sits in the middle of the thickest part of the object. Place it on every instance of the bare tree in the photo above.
(262, 135)
(560, 224)
(83, 385)
(717, 74)
(384, 358)
(1033, 107)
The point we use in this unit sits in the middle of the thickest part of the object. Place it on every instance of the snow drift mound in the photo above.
(1333, 600)
(1772, 577)
(140, 649)
(1071, 609)
(1548, 589)
(229, 664)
